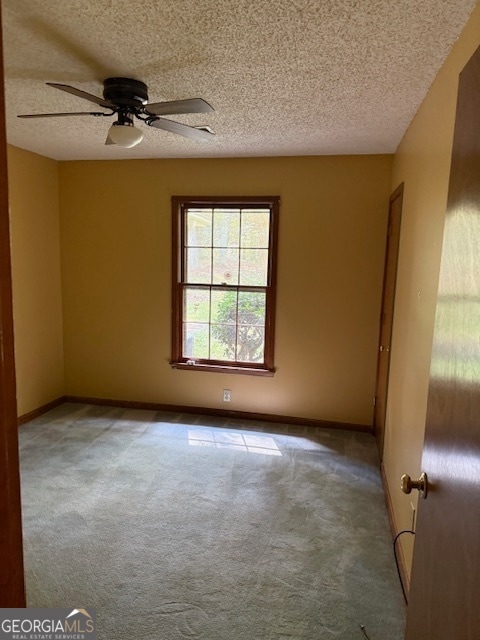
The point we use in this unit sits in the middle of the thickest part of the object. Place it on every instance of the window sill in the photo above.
(215, 368)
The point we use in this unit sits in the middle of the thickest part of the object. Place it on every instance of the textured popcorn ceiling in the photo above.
(286, 77)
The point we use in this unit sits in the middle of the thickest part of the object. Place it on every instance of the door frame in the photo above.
(12, 589)
(384, 351)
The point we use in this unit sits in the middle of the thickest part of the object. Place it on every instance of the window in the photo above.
(224, 277)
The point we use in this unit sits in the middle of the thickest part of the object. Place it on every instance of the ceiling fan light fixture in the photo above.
(125, 135)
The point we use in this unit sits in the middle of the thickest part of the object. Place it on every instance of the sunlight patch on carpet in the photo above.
(250, 443)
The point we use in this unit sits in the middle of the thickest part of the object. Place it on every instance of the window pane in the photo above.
(250, 343)
(199, 228)
(222, 341)
(255, 228)
(254, 267)
(196, 305)
(224, 318)
(226, 228)
(224, 306)
(195, 340)
(251, 308)
(199, 266)
(225, 266)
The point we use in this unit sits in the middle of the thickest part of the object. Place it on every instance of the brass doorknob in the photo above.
(407, 484)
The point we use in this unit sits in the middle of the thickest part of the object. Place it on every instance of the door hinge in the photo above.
(374, 401)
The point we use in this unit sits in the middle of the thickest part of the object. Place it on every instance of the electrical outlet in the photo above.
(412, 517)
(227, 395)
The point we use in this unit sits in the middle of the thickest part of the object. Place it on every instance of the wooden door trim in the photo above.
(12, 591)
(397, 194)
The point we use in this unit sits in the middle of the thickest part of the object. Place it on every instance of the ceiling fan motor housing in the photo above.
(125, 92)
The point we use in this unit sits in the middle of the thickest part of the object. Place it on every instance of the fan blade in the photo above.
(192, 105)
(181, 129)
(82, 94)
(57, 115)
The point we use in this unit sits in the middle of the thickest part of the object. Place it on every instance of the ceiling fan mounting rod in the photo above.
(124, 118)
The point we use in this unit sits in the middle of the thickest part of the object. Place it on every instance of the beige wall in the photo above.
(422, 161)
(37, 302)
(116, 257)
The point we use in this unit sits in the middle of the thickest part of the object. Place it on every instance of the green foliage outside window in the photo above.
(243, 341)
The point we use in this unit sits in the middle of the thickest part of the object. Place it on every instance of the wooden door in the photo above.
(11, 558)
(445, 589)
(386, 314)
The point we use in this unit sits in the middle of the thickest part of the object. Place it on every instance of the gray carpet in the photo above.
(181, 526)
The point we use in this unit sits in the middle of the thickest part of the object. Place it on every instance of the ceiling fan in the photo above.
(128, 99)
